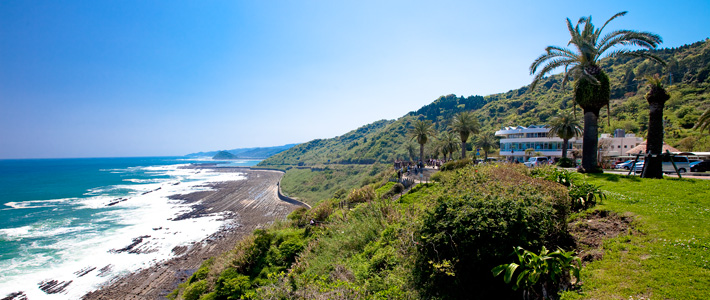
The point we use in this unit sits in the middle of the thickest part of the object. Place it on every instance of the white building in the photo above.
(618, 144)
(515, 140)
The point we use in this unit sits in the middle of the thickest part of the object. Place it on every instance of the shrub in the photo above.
(231, 284)
(321, 212)
(194, 290)
(565, 163)
(298, 216)
(290, 248)
(396, 189)
(202, 272)
(456, 164)
(363, 194)
(486, 212)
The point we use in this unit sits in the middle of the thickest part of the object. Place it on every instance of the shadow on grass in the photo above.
(614, 177)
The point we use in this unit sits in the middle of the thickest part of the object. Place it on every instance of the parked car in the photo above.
(536, 161)
(624, 165)
(681, 163)
(700, 166)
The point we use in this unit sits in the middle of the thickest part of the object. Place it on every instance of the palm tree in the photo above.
(656, 98)
(704, 121)
(591, 88)
(421, 132)
(565, 126)
(411, 150)
(486, 142)
(464, 124)
(449, 144)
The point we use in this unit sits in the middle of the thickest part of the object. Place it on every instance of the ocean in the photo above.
(70, 222)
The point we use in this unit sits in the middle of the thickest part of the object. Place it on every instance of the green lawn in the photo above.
(668, 256)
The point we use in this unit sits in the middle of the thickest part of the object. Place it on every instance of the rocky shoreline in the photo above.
(245, 204)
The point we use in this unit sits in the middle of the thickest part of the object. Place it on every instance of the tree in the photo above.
(656, 98)
(591, 88)
(565, 126)
(411, 150)
(486, 142)
(704, 121)
(449, 144)
(464, 124)
(422, 130)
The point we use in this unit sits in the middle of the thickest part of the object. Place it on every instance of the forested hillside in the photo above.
(687, 80)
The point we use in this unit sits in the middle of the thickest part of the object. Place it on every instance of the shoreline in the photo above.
(246, 205)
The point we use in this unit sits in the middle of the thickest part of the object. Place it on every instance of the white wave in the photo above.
(41, 230)
(37, 203)
(144, 180)
(147, 211)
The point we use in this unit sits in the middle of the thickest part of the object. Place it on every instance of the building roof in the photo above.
(642, 148)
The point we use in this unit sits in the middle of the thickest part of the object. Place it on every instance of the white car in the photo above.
(681, 162)
(536, 161)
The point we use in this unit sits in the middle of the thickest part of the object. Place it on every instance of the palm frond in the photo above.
(703, 122)
(619, 14)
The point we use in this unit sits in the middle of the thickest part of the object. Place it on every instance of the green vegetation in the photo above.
(591, 87)
(387, 140)
(422, 131)
(565, 126)
(666, 255)
(548, 271)
(311, 185)
(441, 240)
(438, 241)
(465, 124)
(224, 155)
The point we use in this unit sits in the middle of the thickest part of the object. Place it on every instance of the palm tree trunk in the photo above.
(654, 144)
(463, 148)
(590, 140)
(565, 145)
(421, 152)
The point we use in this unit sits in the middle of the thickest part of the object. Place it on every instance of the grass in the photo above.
(668, 257)
(313, 186)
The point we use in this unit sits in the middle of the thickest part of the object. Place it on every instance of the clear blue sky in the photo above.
(143, 78)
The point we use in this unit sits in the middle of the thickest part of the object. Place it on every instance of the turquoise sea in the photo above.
(68, 220)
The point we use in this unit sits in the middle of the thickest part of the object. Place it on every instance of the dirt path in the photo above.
(248, 204)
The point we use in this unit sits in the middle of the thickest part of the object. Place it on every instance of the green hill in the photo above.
(258, 152)
(224, 155)
(688, 82)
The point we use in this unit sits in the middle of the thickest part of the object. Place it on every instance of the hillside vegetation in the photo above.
(442, 240)
(687, 80)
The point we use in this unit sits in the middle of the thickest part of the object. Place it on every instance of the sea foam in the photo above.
(91, 253)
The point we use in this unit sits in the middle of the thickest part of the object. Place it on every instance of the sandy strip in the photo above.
(249, 204)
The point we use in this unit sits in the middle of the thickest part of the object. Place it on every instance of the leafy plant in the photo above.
(585, 195)
(540, 274)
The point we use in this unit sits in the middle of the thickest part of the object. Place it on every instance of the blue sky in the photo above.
(144, 78)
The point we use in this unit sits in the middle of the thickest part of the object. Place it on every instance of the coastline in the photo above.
(246, 204)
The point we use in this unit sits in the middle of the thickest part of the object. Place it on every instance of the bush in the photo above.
(565, 163)
(471, 230)
(456, 164)
(298, 216)
(231, 285)
(195, 290)
(202, 272)
(396, 189)
(363, 194)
